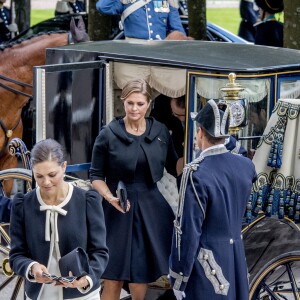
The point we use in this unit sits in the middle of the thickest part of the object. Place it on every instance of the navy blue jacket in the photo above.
(269, 33)
(207, 259)
(115, 154)
(83, 226)
(5, 20)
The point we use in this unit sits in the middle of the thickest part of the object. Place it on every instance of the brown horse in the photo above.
(17, 61)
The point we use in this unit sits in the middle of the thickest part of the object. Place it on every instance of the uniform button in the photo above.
(231, 241)
(151, 31)
(205, 257)
(150, 24)
(151, 39)
(148, 8)
(149, 17)
(180, 273)
(213, 272)
(222, 287)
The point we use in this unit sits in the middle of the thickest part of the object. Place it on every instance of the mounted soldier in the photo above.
(146, 20)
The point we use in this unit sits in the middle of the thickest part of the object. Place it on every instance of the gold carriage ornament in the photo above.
(237, 105)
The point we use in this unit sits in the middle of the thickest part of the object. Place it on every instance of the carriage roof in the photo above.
(215, 56)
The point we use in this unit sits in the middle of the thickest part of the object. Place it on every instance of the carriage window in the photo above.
(256, 95)
(290, 89)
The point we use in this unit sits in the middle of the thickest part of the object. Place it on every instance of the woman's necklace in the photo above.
(137, 129)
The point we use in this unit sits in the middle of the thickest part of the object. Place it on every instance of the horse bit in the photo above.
(9, 132)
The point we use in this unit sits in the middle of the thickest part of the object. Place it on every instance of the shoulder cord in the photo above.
(187, 174)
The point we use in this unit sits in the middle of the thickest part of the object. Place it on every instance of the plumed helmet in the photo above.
(270, 6)
(214, 120)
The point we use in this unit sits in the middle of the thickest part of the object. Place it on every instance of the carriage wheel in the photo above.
(10, 284)
(279, 279)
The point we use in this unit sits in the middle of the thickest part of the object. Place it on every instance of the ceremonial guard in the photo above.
(249, 15)
(269, 31)
(5, 20)
(207, 259)
(69, 7)
(144, 19)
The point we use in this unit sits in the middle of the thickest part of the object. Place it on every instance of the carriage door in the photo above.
(69, 109)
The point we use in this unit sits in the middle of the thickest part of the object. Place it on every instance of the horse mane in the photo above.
(20, 41)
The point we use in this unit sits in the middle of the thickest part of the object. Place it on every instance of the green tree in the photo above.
(197, 19)
(100, 26)
(292, 24)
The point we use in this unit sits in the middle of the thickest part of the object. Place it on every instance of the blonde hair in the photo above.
(137, 86)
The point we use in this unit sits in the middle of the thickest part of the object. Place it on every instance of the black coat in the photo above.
(115, 154)
(269, 33)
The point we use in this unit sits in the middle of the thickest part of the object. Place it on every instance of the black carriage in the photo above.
(77, 92)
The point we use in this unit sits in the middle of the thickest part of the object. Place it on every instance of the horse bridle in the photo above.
(9, 132)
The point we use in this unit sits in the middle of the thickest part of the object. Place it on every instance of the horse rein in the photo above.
(15, 82)
(9, 132)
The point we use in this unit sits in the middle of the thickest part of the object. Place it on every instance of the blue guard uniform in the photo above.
(208, 259)
(5, 20)
(150, 22)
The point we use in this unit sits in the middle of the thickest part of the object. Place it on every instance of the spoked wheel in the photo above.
(279, 279)
(10, 284)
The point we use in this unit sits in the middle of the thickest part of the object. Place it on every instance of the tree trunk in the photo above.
(197, 19)
(100, 26)
(292, 24)
(23, 8)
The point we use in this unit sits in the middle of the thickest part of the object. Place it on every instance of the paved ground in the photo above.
(49, 4)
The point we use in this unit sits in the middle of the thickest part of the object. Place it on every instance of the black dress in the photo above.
(139, 241)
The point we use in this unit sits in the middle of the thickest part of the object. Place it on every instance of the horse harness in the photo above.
(9, 132)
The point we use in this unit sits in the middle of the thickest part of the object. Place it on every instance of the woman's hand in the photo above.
(80, 283)
(37, 271)
(114, 201)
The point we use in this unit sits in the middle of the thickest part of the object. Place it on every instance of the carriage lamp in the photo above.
(237, 105)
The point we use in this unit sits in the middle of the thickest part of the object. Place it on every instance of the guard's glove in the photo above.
(179, 294)
(13, 27)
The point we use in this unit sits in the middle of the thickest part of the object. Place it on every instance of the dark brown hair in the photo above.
(47, 150)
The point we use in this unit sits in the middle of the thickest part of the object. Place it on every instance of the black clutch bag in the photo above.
(76, 261)
(122, 195)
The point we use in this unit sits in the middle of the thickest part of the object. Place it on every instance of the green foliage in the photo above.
(39, 15)
(228, 18)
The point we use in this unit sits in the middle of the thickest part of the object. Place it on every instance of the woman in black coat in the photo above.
(134, 149)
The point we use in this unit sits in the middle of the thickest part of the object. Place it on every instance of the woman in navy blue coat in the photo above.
(49, 222)
(134, 149)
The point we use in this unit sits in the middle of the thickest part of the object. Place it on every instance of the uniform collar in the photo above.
(213, 150)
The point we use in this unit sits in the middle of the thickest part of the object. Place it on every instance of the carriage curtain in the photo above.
(290, 89)
(254, 89)
(168, 81)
